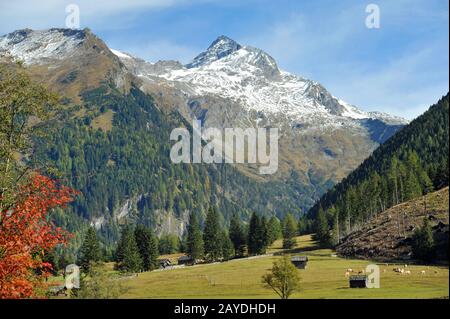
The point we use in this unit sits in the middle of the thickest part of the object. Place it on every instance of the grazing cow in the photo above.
(349, 270)
(422, 272)
(407, 272)
(361, 272)
(399, 270)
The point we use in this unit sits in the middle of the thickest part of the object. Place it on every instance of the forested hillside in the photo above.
(412, 162)
(124, 172)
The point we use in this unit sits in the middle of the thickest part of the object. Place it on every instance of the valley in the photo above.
(324, 277)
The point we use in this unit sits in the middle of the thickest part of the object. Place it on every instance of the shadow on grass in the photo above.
(298, 250)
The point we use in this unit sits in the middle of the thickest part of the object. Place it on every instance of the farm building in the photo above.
(186, 260)
(300, 261)
(358, 281)
(163, 263)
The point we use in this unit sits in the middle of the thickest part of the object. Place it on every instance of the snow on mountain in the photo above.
(121, 54)
(251, 77)
(243, 74)
(220, 48)
(34, 47)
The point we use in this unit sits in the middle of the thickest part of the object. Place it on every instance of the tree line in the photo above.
(138, 248)
(412, 163)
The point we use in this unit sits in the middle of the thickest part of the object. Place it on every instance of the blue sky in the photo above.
(400, 68)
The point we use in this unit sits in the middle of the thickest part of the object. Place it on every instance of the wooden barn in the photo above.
(300, 261)
(186, 260)
(358, 281)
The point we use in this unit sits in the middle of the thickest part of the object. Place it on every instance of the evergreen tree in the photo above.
(274, 230)
(212, 235)
(90, 250)
(227, 247)
(412, 186)
(256, 240)
(335, 239)
(423, 243)
(237, 235)
(413, 162)
(264, 233)
(289, 232)
(321, 228)
(128, 258)
(148, 247)
(194, 241)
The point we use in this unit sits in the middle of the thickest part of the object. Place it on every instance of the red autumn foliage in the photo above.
(25, 235)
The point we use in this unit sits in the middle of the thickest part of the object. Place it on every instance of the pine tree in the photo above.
(264, 233)
(289, 232)
(128, 258)
(212, 236)
(257, 236)
(237, 235)
(321, 227)
(335, 240)
(412, 186)
(274, 230)
(90, 250)
(423, 242)
(227, 247)
(194, 243)
(148, 247)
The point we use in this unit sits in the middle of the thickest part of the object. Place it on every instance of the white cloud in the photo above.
(17, 14)
(162, 50)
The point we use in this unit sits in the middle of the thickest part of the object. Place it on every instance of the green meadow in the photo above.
(323, 278)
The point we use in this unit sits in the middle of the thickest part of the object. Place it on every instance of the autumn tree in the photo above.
(25, 111)
(26, 233)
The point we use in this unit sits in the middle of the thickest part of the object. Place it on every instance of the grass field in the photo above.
(323, 278)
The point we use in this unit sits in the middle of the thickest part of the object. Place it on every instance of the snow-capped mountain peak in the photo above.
(220, 48)
(251, 77)
(35, 46)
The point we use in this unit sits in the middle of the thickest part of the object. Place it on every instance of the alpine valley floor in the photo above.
(323, 278)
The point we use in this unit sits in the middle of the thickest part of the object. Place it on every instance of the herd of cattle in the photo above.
(401, 270)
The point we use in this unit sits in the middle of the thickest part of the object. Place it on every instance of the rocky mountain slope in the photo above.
(230, 85)
(388, 235)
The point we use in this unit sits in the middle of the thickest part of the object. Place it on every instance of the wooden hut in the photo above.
(358, 281)
(300, 261)
(186, 260)
(163, 263)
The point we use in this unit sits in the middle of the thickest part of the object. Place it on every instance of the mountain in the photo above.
(388, 235)
(119, 110)
(230, 85)
(413, 162)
